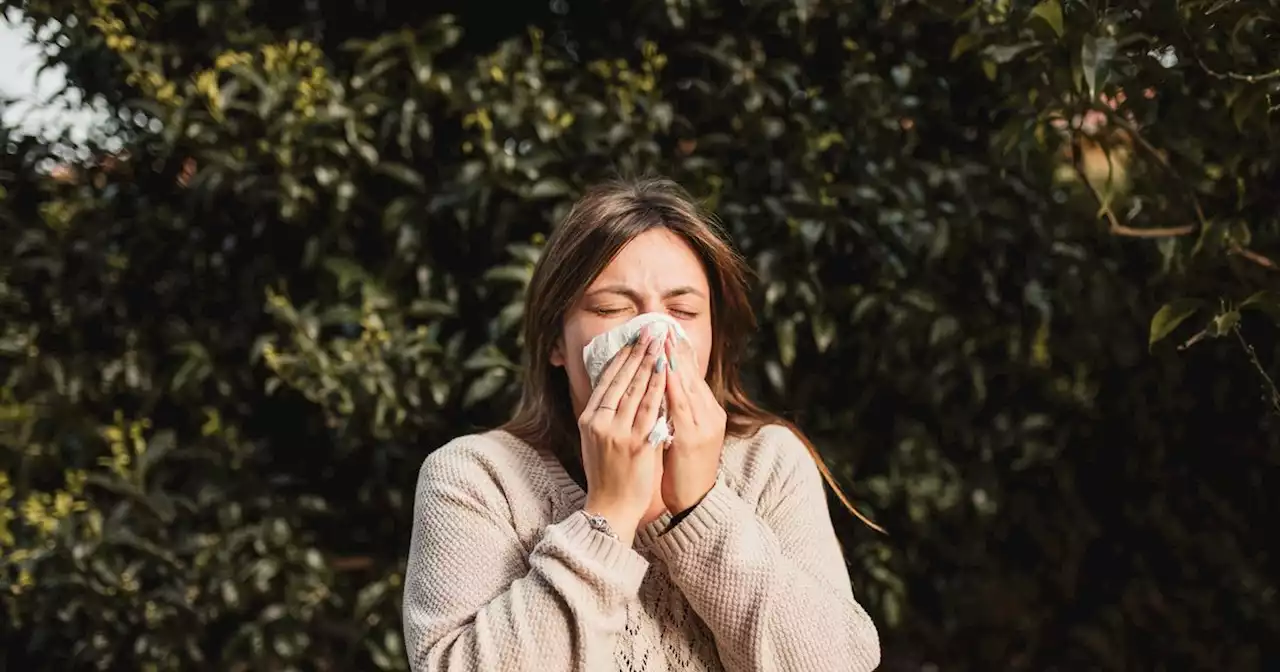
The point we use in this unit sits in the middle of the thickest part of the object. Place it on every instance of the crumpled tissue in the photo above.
(602, 348)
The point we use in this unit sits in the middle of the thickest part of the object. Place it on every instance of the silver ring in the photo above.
(606, 408)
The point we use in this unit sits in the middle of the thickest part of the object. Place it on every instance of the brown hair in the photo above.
(605, 219)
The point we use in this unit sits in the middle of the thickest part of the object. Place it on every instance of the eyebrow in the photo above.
(635, 296)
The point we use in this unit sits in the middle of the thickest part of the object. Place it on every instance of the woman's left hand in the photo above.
(692, 461)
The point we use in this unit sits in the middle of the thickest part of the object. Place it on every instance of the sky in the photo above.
(35, 113)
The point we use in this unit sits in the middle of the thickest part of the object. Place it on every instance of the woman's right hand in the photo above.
(619, 461)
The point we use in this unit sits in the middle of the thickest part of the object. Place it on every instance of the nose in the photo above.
(652, 303)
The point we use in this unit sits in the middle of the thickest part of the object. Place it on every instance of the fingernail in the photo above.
(661, 365)
(655, 346)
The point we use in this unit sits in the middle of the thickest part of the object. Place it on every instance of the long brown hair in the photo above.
(605, 219)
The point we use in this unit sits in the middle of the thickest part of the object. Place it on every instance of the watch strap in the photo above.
(599, 524)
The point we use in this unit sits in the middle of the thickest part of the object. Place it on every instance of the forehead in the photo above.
(655, 259)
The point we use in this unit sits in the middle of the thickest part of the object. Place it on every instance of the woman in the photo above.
(565, 541)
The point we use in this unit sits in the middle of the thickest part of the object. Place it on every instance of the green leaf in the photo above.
(402, 173)
(368, 597)
(1266, 301)
(891, 605)
(824, 331)
(513, 273)
(348, 273)
(786, 331)
(484, 387)
(430, 308)
(439, 391)
(230, 594)
(943, 328)
(1224, 323)
(1251, 100)
(488, 357)
(551, 187)
(1003, 53)
(1095, 54)
(1051, 12)
(1170, 316)
(777, 379)
(159, 447)
(963, 44)
(510, 317)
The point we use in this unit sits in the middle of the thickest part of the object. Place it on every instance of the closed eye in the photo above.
(606, 312)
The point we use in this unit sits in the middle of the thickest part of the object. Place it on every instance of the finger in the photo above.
(606, 378)
(688, 357)
(678, 401)
(681, 352)
(644, 405)
(622, 380)
(630, 400)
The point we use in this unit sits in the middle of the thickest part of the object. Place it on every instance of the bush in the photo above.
(293, 262)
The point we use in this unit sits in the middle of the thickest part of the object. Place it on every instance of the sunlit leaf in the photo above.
(1050, 11)
(1265, 301)
(1170, 316)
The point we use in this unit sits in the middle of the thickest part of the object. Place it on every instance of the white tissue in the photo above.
(602, 348)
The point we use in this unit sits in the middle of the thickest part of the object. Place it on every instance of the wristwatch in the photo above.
(599, 524)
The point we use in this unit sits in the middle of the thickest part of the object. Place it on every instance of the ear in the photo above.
(557, 353)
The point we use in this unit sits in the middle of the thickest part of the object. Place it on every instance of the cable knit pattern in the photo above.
(504, 577)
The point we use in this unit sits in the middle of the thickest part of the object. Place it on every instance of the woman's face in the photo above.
(657, 272)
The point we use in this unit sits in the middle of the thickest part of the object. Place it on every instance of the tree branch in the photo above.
(1256, 258)
(1236, 76)
(1116, 227)
(1272, 393)
(1160, 158)
(1118, 119)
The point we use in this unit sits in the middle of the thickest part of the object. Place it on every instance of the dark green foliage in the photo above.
(226, 348)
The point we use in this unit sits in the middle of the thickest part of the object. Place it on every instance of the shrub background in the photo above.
(291, 264)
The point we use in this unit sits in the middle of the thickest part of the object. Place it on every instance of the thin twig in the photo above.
(1188, 189)
(1160, 158)
(1236, 76)
(1115, 227)
(1167, 232)
(1196, 338)
(351, 564)
(1269, 385)
(1256, 258)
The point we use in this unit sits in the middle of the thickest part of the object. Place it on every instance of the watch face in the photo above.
(598, 523)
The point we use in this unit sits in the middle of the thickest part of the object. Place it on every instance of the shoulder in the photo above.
(774, 454)
(484, 482)
(485, 464)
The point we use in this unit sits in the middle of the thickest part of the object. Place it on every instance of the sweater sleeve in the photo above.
(770, 581)
(474, 599)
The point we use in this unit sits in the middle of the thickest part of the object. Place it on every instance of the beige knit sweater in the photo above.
(505, 575)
